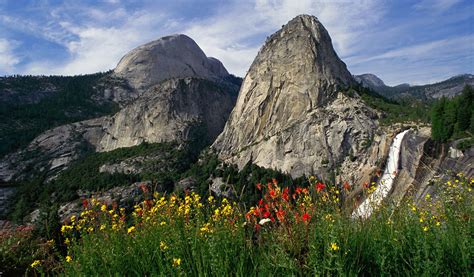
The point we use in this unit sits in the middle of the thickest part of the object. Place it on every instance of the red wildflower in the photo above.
(284, 195)
(280, 215)
(298, 190)
(346, 185)
(260, 202)
(366, 185)
(320, 187)
(259, 186)
(272, 193)
(85, 203)
(306, 217)
(266, 214)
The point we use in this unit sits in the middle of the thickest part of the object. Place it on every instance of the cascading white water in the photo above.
(385, 183)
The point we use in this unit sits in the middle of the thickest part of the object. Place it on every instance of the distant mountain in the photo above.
(449, 88)
(370, 81)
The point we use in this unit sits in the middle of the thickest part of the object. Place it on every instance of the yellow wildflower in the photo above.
(163, 246)
(176, 262)
(162, 223)
(68, 259)
(334, 246)
(36, 263)
(131, 229)
(103, 208)
(425, 229)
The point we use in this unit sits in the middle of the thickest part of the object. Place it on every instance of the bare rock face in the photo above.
(174, 110)
(173, 56)
(291, 114)
(52, 151)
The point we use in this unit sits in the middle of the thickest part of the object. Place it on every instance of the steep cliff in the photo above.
(294, 112)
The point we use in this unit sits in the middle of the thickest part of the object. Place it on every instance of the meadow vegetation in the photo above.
(289, 231)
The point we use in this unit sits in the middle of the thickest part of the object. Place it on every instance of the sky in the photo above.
(401, 41)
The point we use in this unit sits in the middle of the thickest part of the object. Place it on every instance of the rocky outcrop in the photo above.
(175, 56)
(173, 110)
(52, 151)
(293, 113)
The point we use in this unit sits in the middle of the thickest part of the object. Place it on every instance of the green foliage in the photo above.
(394, 111)
(210, 167)
(453, 118)
(71, 100)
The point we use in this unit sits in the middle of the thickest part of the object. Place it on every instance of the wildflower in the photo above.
(280, 215)
(176, 262)
(306, 217)
(346, 186)
(35, 263)
(66, 228)
(67, 241)
(425, 229)
(162, 223)
(259, 186)
(285, 195)
(102, 227)
(131, 229)
(68, 259)
(163, 246)
(320, 187)
(206, 228)
(334, 246)
(263, 221)
(211, 199)
(50, 242)
(103, 208)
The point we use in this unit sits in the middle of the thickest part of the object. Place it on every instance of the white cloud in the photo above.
(226, 36)
(8, 60)
(436, 6)
(419, 63)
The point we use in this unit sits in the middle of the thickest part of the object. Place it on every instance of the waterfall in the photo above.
(384, 185)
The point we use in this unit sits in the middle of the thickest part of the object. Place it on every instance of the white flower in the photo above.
(263, 221)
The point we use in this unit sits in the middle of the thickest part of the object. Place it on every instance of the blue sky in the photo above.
(401, 41)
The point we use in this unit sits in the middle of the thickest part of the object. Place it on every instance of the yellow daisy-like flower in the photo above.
(334, 246)
(68, 259)
(425, 229)
(176, 262)
(131, 229)
(103, 208)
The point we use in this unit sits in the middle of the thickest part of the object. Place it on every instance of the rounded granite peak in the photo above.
(174, 56)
